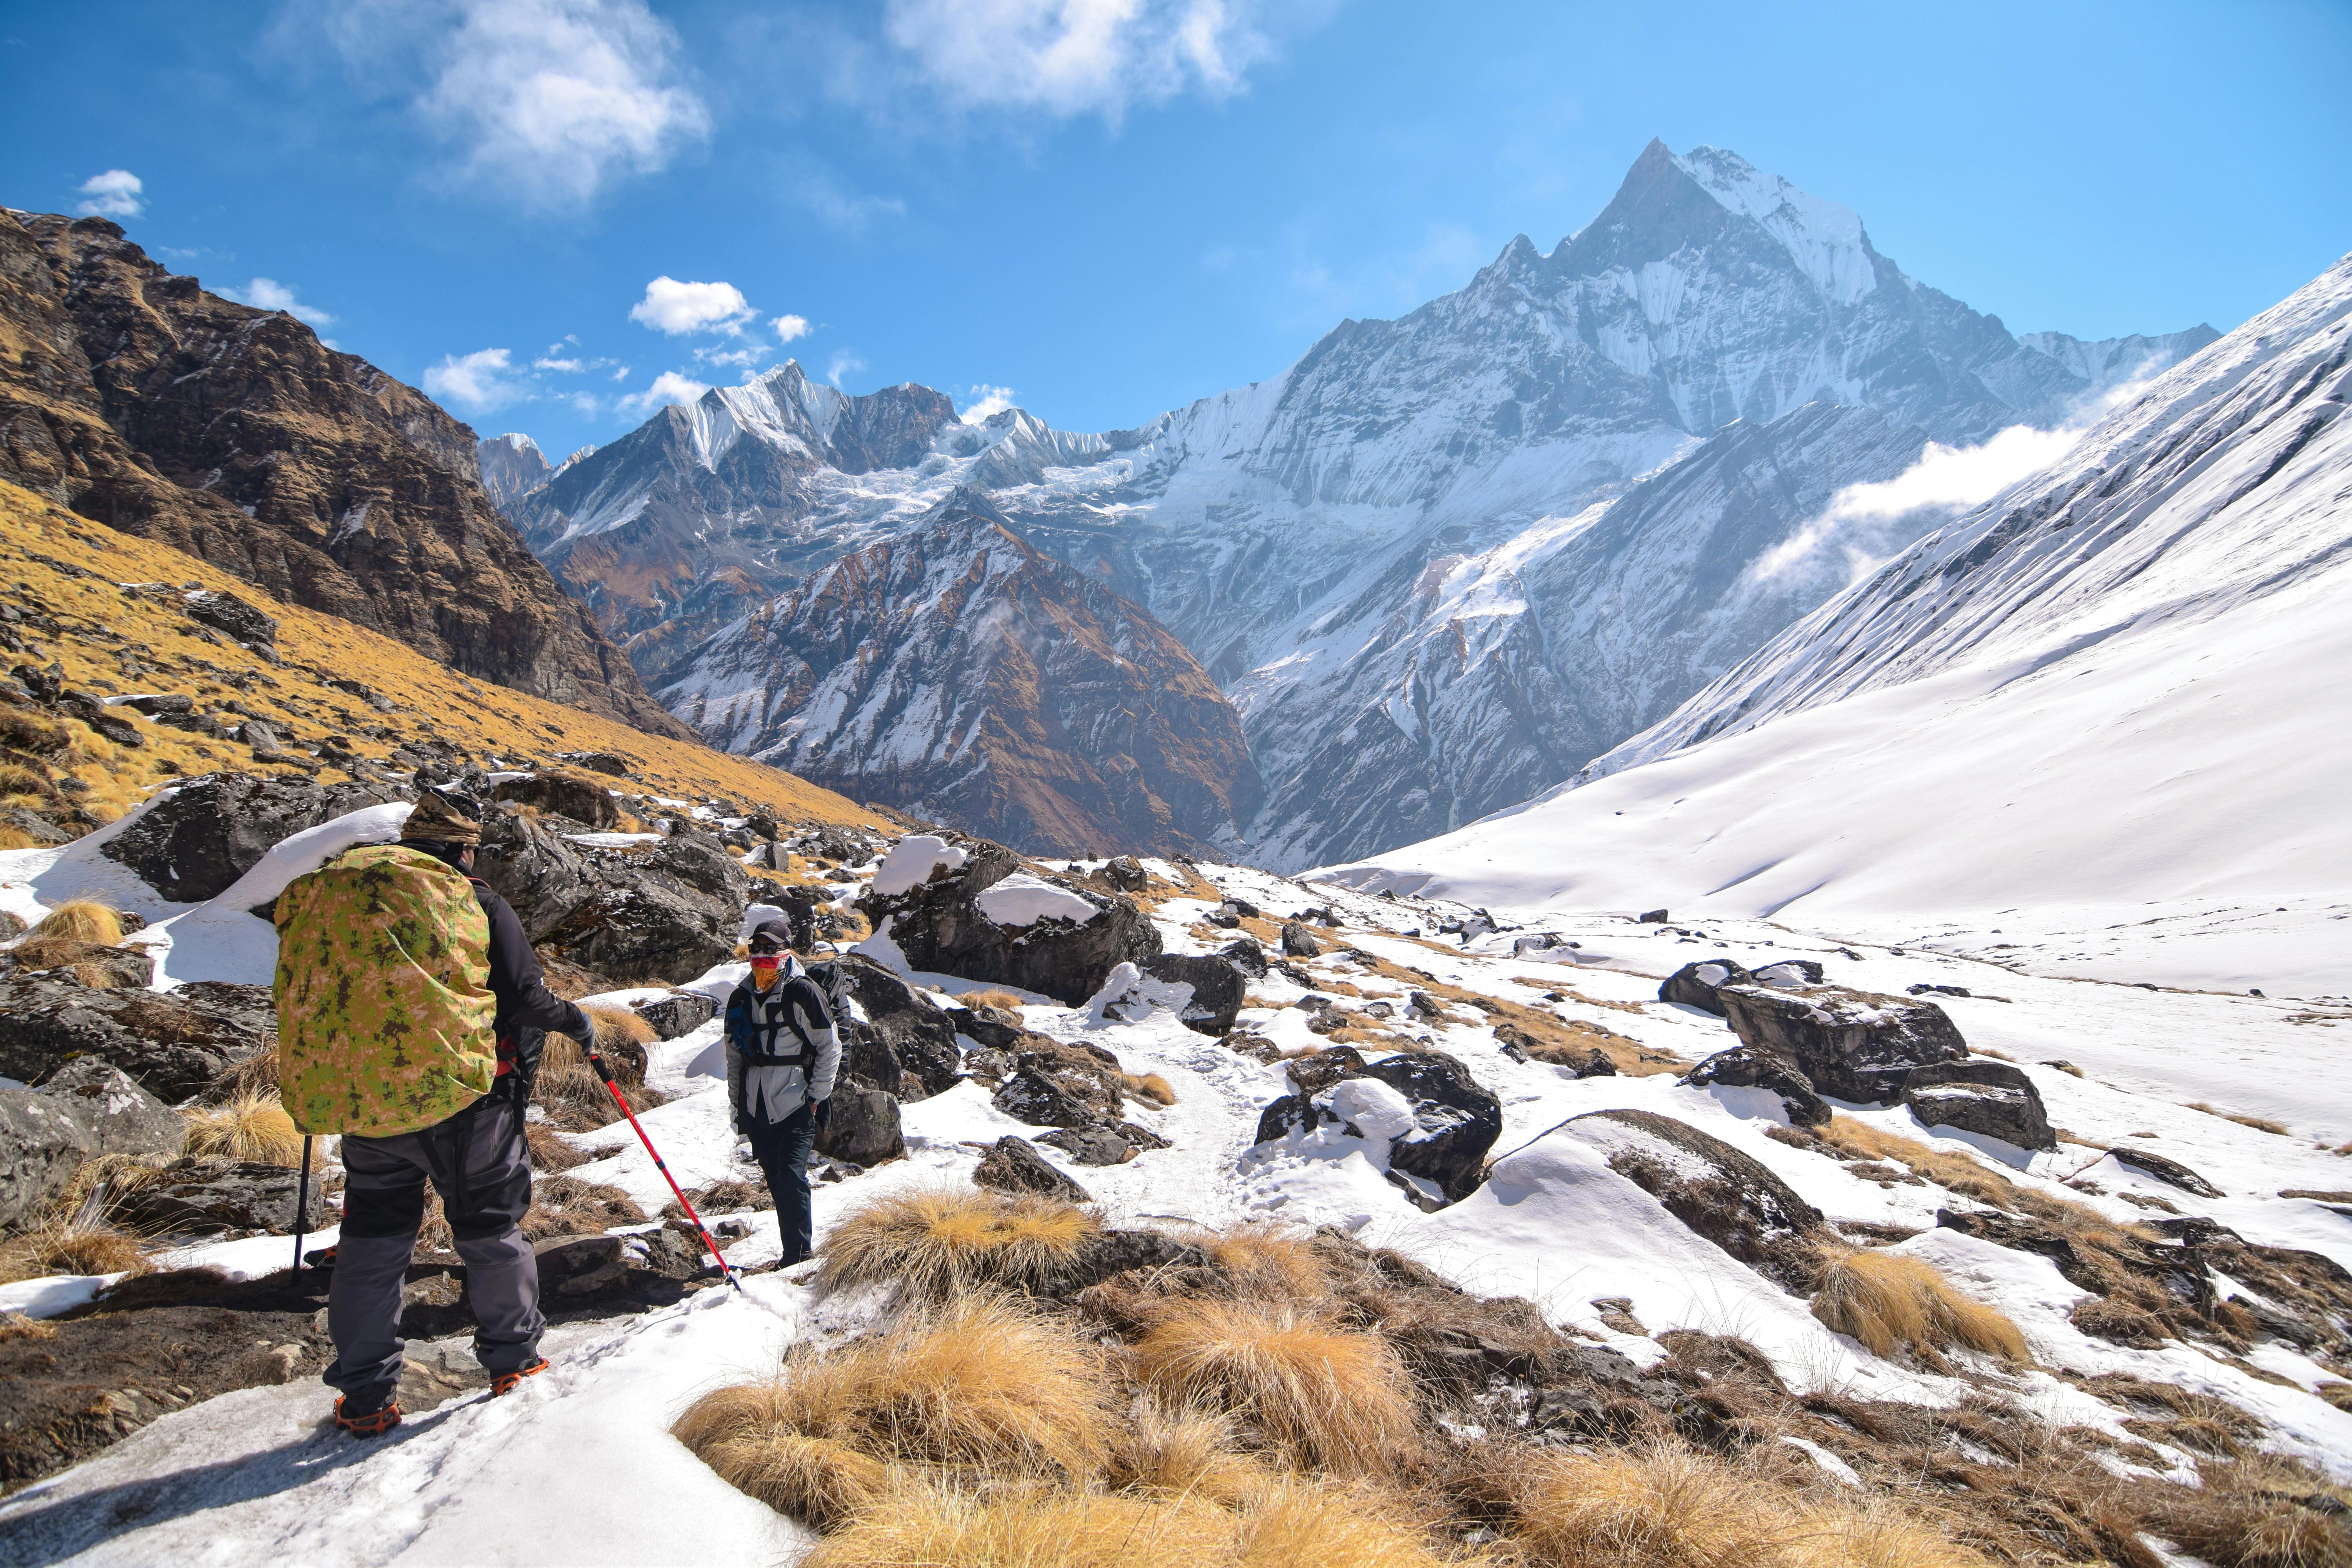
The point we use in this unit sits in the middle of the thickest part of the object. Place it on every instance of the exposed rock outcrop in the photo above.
(1993, 1099)
(1036, 939)
(1728, 1198)
(1745, 1067)
(214, 829)
(1013, 1165)
(1849, 1044)
(172, 1044)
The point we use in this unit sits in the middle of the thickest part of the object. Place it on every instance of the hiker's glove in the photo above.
(824, 1113)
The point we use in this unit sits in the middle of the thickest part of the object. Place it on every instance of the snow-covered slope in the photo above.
(2094, 716)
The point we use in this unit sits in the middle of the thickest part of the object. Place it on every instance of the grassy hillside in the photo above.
(63, 576)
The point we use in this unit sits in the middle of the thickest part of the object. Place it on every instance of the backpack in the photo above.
(383, 994)
(830, 979)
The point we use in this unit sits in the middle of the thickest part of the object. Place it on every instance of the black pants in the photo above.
(783, 1149)
(476, 1160)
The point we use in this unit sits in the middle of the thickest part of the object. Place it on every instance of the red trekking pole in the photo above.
(613, 1090)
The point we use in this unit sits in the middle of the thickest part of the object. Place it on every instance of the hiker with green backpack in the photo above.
(412, 1012)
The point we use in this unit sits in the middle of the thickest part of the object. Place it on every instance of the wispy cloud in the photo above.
(668, 388)
(789, 327)
(543, 102)
(1070, 58)
(743, 358)
(987, 401)
(118, 193)
(478, 381)
(677, 309)
(845, 361)
(268, 294)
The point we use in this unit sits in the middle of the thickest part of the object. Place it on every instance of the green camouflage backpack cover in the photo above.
(383, 993)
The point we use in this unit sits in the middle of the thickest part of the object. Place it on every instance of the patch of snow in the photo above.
(1023, 900)
(912, 860)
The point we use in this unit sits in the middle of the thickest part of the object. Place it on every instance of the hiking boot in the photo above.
(506, 1382)
(371, 1412)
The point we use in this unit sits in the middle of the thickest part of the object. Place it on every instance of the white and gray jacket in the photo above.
(782, 1048)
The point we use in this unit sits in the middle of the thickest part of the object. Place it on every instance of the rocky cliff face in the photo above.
(130, 395)
(956, 671)
(512, 467)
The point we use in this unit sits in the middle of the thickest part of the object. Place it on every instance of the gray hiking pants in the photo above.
(477, 1161)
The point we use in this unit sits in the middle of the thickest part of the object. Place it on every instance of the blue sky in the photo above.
(1109, 207)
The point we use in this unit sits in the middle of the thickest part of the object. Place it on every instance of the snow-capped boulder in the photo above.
(2171, 1172)
(1745, 1067)
(1695, 984)
(173, 1044)
(1215, 986)
(1013, 1165)
(1726, 1196)
(1037, 934)
(1849, 1044)
(1453, 1122)
(566, 794)
(1990, 1098)
(194, 843)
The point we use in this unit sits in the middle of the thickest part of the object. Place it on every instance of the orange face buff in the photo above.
(764, 963)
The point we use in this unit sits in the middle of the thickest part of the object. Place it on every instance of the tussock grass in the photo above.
(977, 1390)
(81, 920)
(252, 1127)
(1878, 1536)
(84, 1243)
(1888, 1300)
(2252, 1515)
(1267, 1262)
(253, 1075)
(1183, 1453)
(1659, 1505)
(21, 731)
(937, 1243)
(618, 1026)
(2259, 1123)
(566, 1206)
(1003, 999)
(1149, 1086)
(14, 838)
(1953, 1172)
(550, 1152)
(1334, 1398)
(14, 1326)
(1296, 1519)
(933, 1527)
(575, 1099)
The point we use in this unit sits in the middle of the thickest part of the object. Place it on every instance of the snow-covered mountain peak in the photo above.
(1826, 241)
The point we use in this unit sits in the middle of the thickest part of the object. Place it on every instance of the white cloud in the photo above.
(745, 357)
(546, 102)
(667, 387)
(268, 294)
(118, 193)
(844, 363)
(987, 401)
(675, 308)
(790, 327)
(1078, 56)
(561, 366)
(477, 382)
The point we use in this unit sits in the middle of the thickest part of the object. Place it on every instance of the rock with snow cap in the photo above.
(1745, 1067)
(1695, 984)
(1036, 934)
(1990, 1098)
(1849, 1044)
(1729, 1197)
(679, 1013)
(1216, 987)
(2171, 1172)
(214, 829)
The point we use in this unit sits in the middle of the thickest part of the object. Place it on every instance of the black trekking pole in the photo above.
(726, 1269)
(301, 1212)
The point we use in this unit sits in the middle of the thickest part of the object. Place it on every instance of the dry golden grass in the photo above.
(1334, 1398)
(2259, 1123)
(1150, 1087)
(14, 838)
(1888, 1300)
(253, 1075)
(1953, 1172)
(936, 1526)
(1183, 1453)
(428, 699)
(2249, 1514)
(549, 1152)
(1004, 999)
(79, 1245)
(1298, 1519)
(252, 1127)
(615, 1026)
(14, 1326)
(1877, 1535)
(1655, 1506)
(81, 920)
(935, 1243)
(1269, 1263)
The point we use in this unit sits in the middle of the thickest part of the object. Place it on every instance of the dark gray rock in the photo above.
(1849, 1044)
(1292, 1113)
(155, 705)
(35, 826)
(1217, 989)
(1030, 1096)
(994, 1028)
(85, 963)
(660, 915)
(1126, 873)
(212, 1197)
(174, 1044)
(2167, 1171)
(1653, 917)
(862, 1126)
(1695, 984)
(1094, 1143)
(1457, 1120)
(582, 800)
(679, 1013)
(227, 613)
(123, 1118)
(1144, 1139)
(1298, 941)
(920, 1037)
(1745, 1067)
(940, 927)
(216, 828)
(43, 1141)
(1992, 1099)
(1727, 1196)
(1013, 1165)
(598, 1273)
(1597, 1065)
(1245, 954)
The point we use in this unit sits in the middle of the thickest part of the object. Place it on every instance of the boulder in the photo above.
(122, 1117)
(2167, 1171)
(1126, 873)
(1727, 1196)
(43, 1141)
(227, 613)
(614, 765)
(679, 1013)
(921, 1037)
(1745, 1067)
(155, 705)
(1216, 987)
(941, 925)
(992, 1028)
(1849, 1044)
(173, 1044)
(1245, 954)
(1695, 984)
(567, 795)
(1456, 1121)
(541, 874)
(85, 963)
(1094, 1143)
(661, 915)
(212, 1197)
(1791, 973)
(214, 829)
(1030, 1096)
(1652, 916)
(1291, 1113)
(1298, 941)
(862, 1127)
(589, 1272)
(1013, 1165)
(44, 833)
(1993, 1099)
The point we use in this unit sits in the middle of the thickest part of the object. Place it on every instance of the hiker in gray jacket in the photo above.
(782, 1057)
